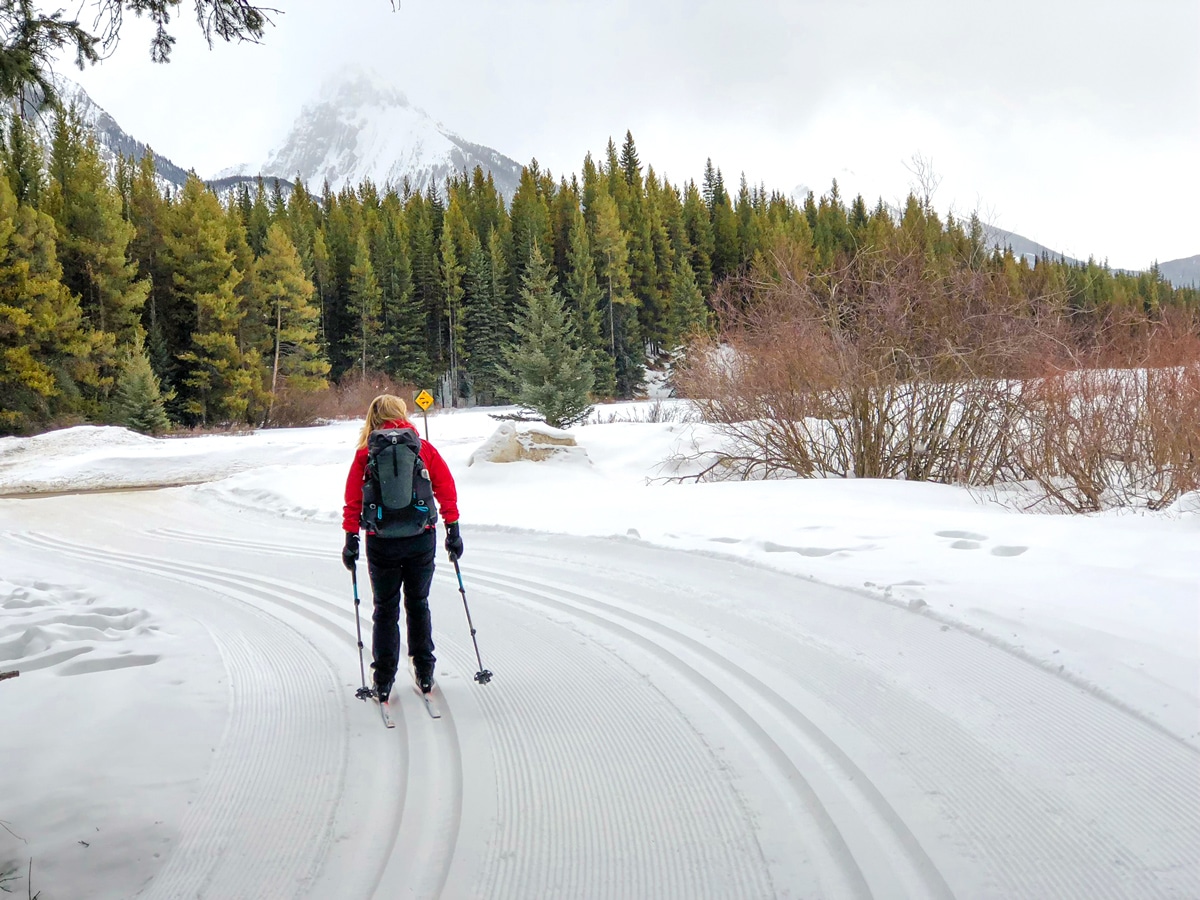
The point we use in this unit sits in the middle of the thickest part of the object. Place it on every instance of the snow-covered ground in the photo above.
(786, 688)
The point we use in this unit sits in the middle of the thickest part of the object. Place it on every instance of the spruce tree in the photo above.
(138, 401)
(689, 314)
(547, 372)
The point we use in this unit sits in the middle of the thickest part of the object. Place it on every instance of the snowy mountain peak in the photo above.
(360, 127)
(356, 86)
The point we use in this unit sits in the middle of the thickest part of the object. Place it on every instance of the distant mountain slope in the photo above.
(360, 128)
(113, 140)
(1022, 246)
(1179, 272)
(1182, 272)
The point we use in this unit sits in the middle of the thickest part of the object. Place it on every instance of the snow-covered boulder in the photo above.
(530, 441)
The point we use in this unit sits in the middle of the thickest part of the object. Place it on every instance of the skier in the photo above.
(399, 562)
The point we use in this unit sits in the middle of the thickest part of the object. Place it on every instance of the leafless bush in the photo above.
(878, 371)
(1125, 428)
(347, 399)
(890, 368)
(654, 413)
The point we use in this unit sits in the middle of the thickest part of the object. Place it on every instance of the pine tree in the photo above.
(530, 218)
(215, 385)
(547, 371)
(583, 297)
(93, 241)
(619, 325)
(697, 223)
(296, 358)
(452, 284)
(365, 299)
(138, 401)
(44, 349)
(727, 252)
(483, 315)
(689, 314)
(257, 219)
(146, 211)
(21, 154)
(423, 255)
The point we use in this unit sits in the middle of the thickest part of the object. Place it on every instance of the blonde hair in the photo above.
(384, 408)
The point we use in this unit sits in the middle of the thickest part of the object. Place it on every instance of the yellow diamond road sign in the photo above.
(424, 400)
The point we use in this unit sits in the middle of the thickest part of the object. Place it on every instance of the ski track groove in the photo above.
(612, 833)
(1132, 792)
(301, 857)
(849, 879)
(223, 848)
(1001, 806)
(607, 801)
(1033, 840)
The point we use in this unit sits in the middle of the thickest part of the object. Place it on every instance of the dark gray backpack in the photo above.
(397, 492)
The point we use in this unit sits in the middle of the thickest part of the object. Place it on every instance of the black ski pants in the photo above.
(396, 565)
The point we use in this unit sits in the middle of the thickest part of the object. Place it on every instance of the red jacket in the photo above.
(444, 490)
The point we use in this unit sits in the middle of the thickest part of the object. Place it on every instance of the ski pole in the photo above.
(364, 692)
(483, 676)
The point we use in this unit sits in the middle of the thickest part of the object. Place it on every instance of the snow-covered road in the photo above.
(661, 724)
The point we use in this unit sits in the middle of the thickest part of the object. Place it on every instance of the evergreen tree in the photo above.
(204, 313)
(547, 371)
(689, 313)
(530, 220)
(619, 325)
(94, 238)
(484, 324)
(44, 348)
(21, 154)
(583, 297)
(423, 255)
(138, 401)
(727, 251)
(257, 219)
(296, 357)
(146, 211)
(452, 284)
(365, 299)
(698, 226)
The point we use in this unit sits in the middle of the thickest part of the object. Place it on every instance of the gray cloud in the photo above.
(1031, 104)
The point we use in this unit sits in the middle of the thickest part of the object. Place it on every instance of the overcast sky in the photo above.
(1073, 122)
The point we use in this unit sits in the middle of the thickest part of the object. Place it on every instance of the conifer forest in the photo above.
(122, 303)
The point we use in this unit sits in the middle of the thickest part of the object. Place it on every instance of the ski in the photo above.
(427, 699)
(387, 714)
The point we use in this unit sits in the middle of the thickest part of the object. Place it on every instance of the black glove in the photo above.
(454, 545)
(350, 551)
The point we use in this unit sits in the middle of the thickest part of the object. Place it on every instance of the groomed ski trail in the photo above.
(659, 724)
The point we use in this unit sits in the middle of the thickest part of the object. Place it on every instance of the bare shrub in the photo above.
(348, 399)
(884, 369)
(1123, 427)
(656, 412)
